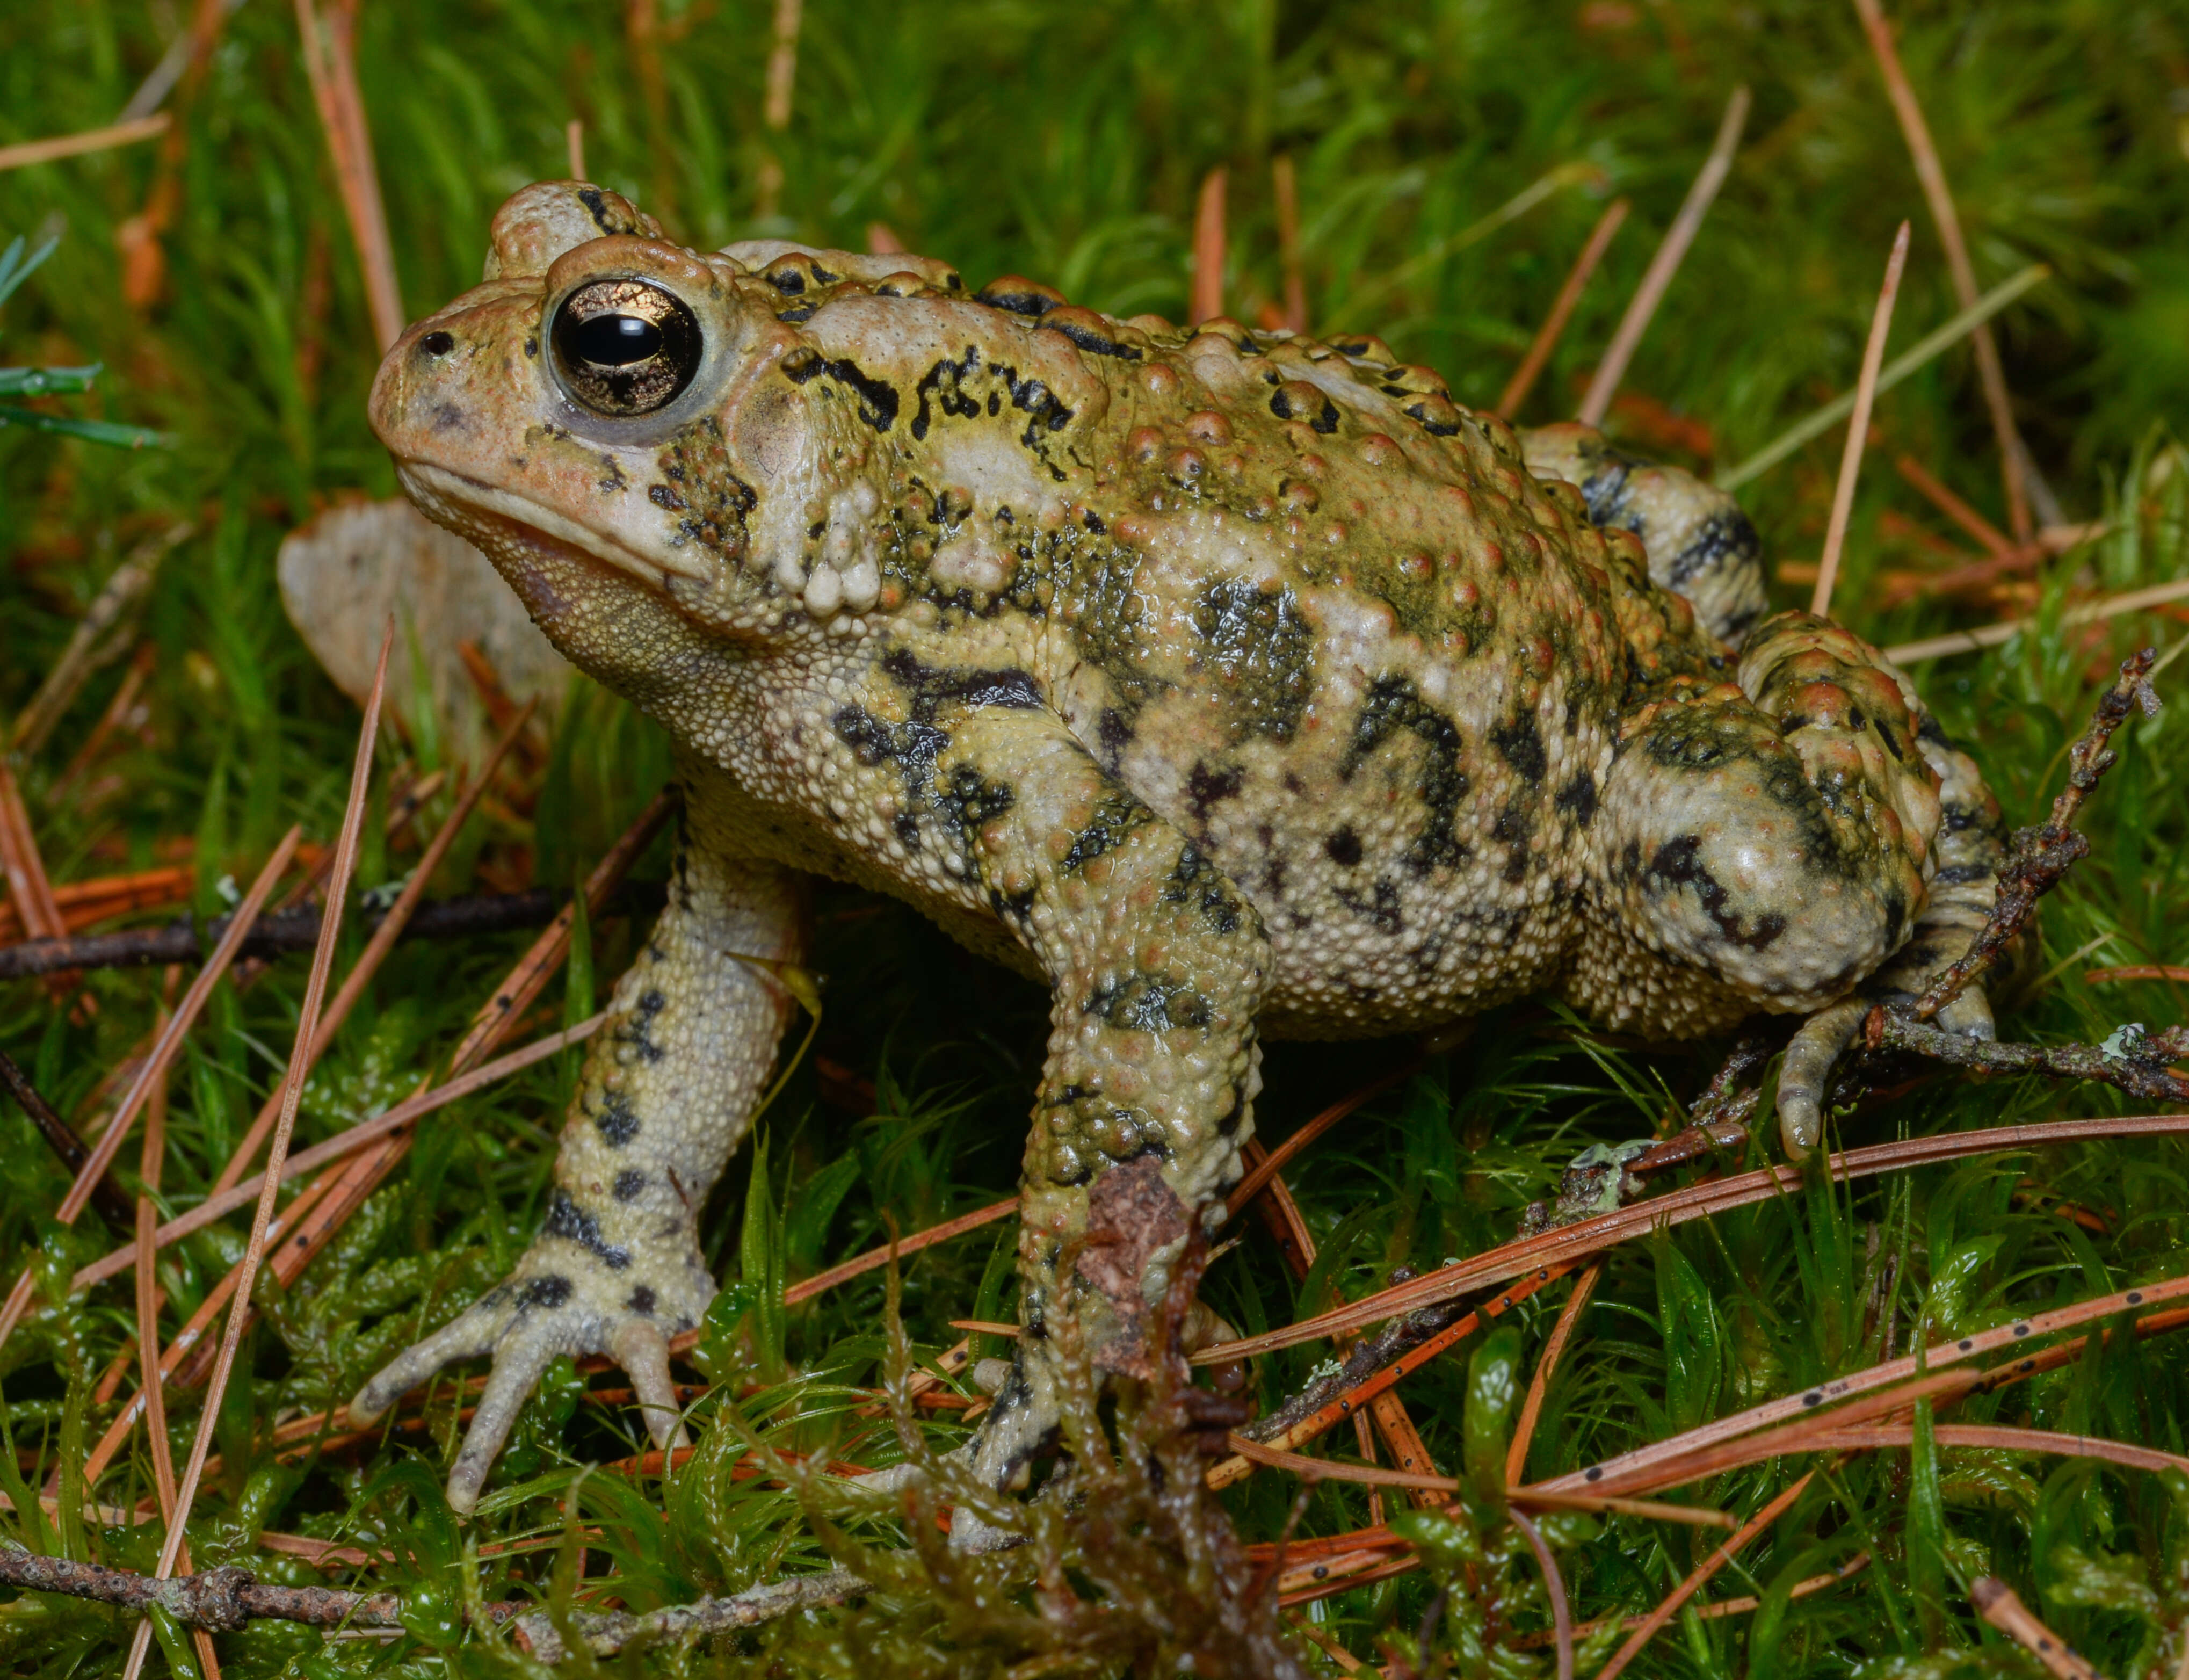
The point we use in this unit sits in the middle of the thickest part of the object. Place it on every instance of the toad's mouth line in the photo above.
(460, 494)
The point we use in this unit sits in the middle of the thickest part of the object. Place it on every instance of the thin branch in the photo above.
(574, 139)
(1208, 298)
(27, 152)
(106, 1195)
(1666, 263)
(1865, 394)
(1931, 173)
(1554, 323)
(223, 1600)
(465, 916)
(606, 1634)
(2043, 855)
(308, 1023)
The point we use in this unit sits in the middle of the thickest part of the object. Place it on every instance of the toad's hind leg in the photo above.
(1779, 837)
(1156, 966)
(667, 1091)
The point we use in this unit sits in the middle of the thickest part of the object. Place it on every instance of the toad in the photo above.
(1232, 685)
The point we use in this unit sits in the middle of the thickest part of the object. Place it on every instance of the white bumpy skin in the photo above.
(1227, 684)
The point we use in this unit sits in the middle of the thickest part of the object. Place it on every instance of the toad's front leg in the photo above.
(668, 1089)
(1156, 966)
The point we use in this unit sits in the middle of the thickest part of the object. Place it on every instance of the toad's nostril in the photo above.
(438, 344)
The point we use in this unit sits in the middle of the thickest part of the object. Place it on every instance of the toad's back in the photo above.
(1308, 610)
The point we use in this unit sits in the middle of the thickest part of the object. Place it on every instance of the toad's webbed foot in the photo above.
(561, 1300)
(668, 1086)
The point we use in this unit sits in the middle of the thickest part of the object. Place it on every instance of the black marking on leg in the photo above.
(1194, 879)
(573, 1223)
(1678, 863)
(1147, 1002)
(629, 1186)
(543, 1291)
(615, 1119)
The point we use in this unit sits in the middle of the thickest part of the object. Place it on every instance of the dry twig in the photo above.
(27, 152)
(330, 61)
(1996, 1603)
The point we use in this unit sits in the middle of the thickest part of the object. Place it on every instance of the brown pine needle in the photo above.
(382, 943)
(2005, 1437)
(1554, 323)
(574, 139)
(1932, 174)
(1570, 1245)
(1654, 1457)
(1286, 182)
(292, 1095)
(1208, 299)
(1524, 1433)
(1282, 1155)
(874, 1258)
(1666, 263)
(1699, 1577)
(1554, 1587)
(162, 1054)
(2138, 971)
(91, 139)
(1992, 636)
(1996, 1603)
(1865, 395)
(331, 66)
(347, 1143)
(1919, 479)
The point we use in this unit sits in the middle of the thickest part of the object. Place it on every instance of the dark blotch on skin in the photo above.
(615, 1118)
(544, 1292)
(629, 1186)
(1343, 847)
(1262, 650)
(878, 399)
(1678, 863)
(1395, 706)
(1577, 799)
(1521, 745)
(641, 1299)
(1147, 1002)
(1205, 787)
(567, 1220)
(1195, 878)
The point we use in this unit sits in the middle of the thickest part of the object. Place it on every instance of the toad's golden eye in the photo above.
(624, 347)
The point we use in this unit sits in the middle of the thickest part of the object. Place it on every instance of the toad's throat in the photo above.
(478, 509)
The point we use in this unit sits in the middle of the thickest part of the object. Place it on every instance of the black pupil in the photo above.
(618, 341)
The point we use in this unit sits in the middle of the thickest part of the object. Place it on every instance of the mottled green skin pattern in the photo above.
(1227, 683)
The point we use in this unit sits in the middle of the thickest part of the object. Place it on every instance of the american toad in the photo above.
(1228, 683)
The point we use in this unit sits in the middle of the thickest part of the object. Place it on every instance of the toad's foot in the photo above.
(563, 1298)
